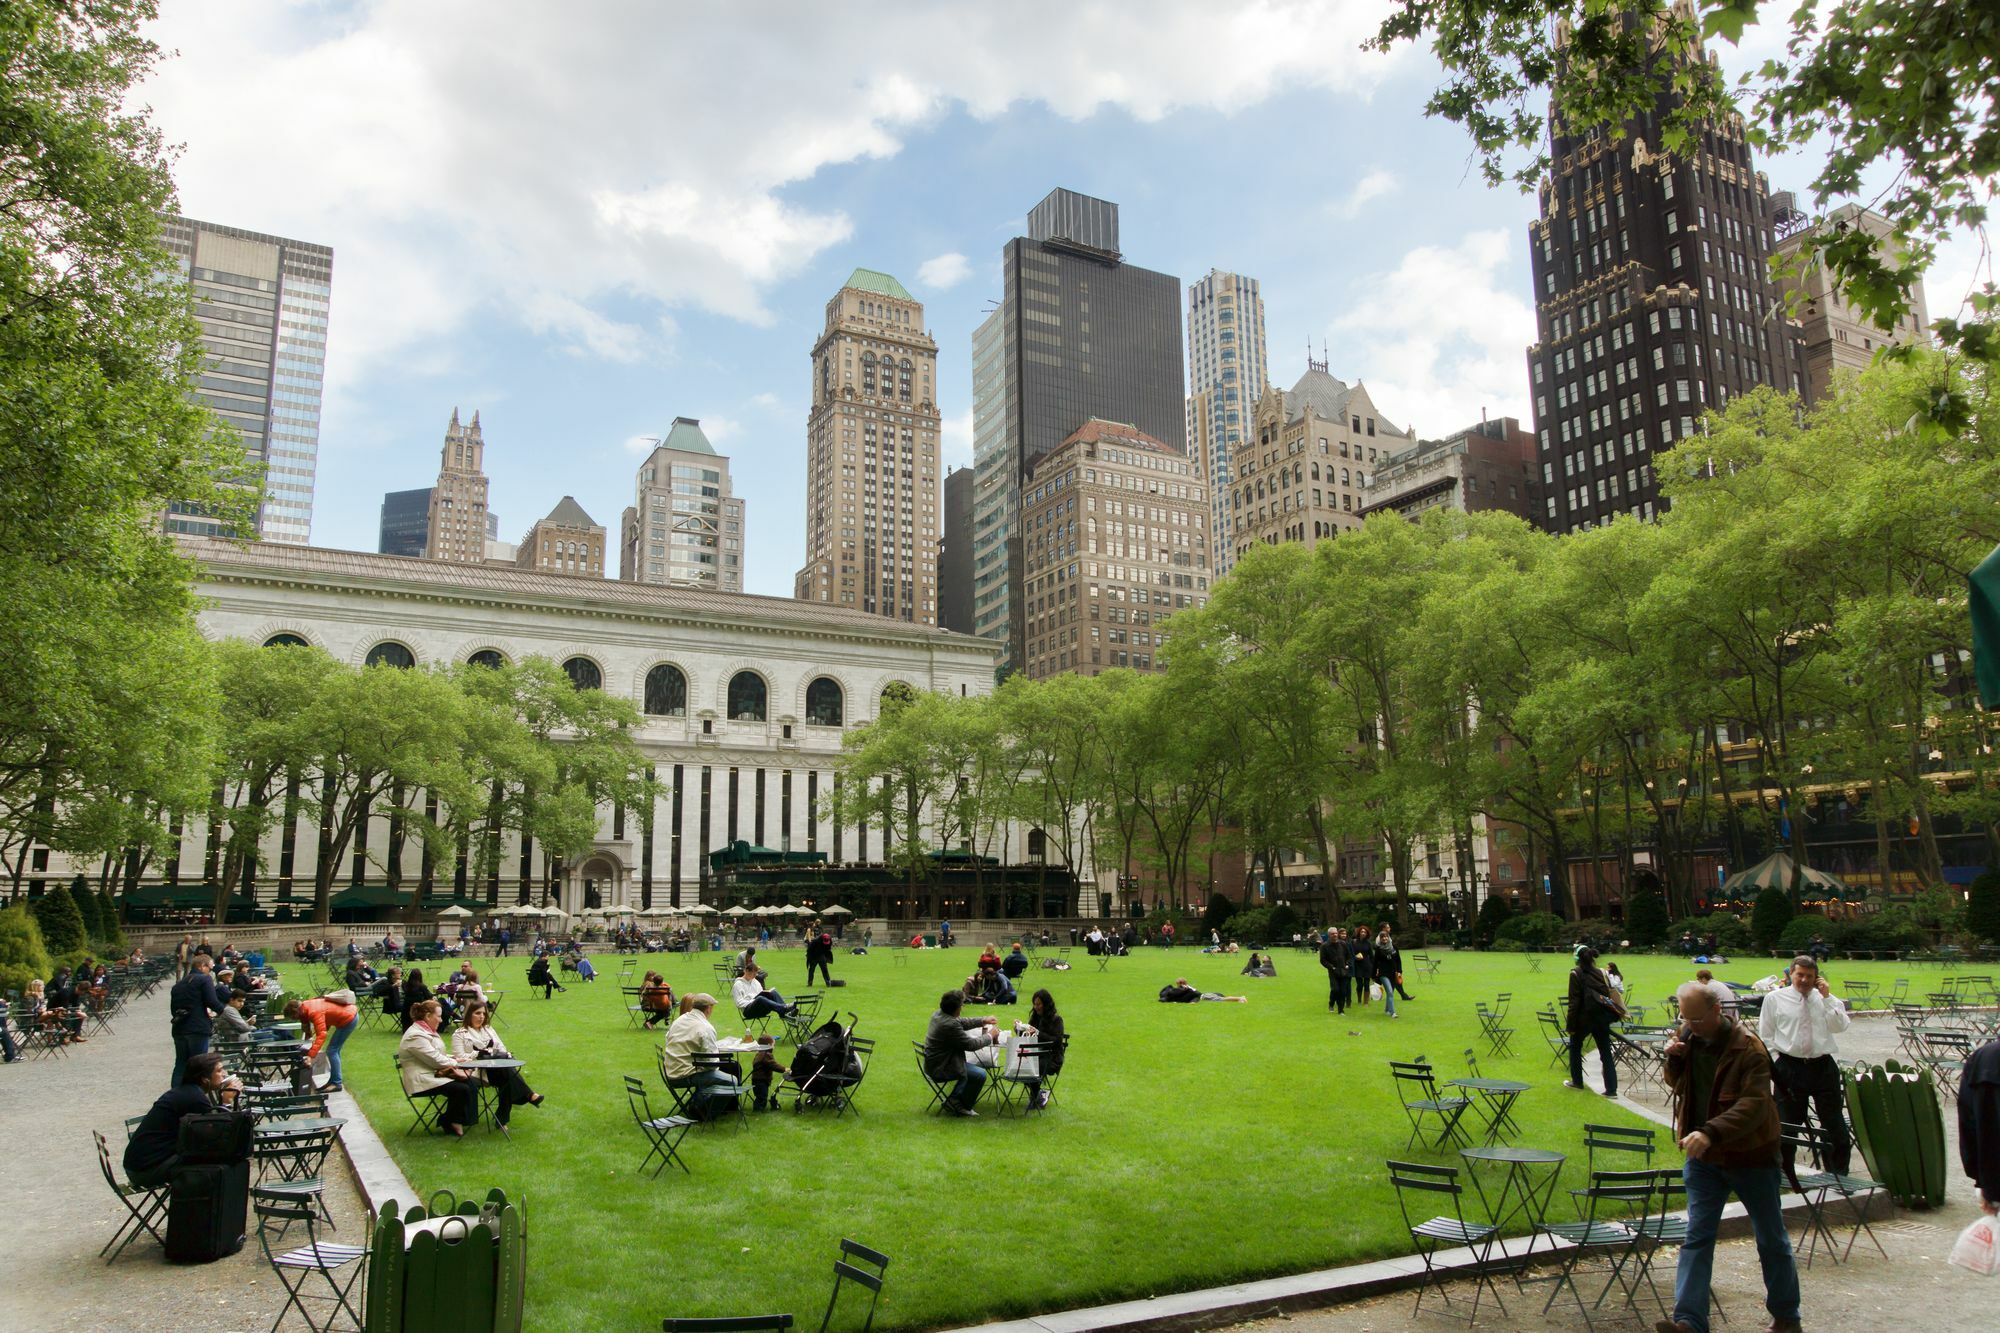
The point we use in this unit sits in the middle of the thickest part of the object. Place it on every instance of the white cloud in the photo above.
(1369, 188)
(767, 401)
(520, 162)
(720, 428)
(956, 438)
(1444, 335)
(641, 445)
(945, 270)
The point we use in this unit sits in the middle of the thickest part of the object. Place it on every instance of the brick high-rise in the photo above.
(872, 456)
(456, 529)
(1653, 305)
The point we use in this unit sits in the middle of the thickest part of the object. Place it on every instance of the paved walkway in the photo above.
(61, 1212)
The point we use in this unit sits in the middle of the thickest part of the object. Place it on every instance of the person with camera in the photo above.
(1726, 1121)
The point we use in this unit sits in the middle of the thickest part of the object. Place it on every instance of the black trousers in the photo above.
(1798, 1084)
(825, 975)
(511, 1091)
(1337, 986)
(461, 1101)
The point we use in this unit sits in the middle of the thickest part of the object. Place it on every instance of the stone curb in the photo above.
(376, 1175)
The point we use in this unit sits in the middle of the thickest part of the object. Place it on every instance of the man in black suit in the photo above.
(154, 1146)
(1338, 960)
(193, 1003)
(945, 1047)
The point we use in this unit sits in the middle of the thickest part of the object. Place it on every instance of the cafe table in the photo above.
(1527, 1181)
(1496, 1102)
(489, 1095)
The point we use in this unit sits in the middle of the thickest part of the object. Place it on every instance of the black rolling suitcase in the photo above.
(208, 1209)
(208, 1190)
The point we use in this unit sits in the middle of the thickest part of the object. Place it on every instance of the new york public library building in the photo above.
(745, 702)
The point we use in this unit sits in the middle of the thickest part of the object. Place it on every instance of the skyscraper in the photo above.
(685, 528)
(955, 553)
(457, 523)
(872, 455)
(1653, 304)
(1081, 334)
(1301, 474)
(1835, 336)
(406, 521)
(568, 541)
(1226, 373)
(263, 303)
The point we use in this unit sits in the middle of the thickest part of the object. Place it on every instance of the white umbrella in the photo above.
(789, 910)
(453, 910)
(738, 911)
(655, 911)
(702, 909)
(837, 910)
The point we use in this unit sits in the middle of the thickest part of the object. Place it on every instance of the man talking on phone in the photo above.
(1726, 1121)
(1797, 1025)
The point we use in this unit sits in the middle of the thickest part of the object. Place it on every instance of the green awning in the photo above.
(157, 897)
(371, 895)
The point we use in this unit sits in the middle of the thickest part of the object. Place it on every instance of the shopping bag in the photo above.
(1375, 990)
(1019, 1065)
(1978, 1248)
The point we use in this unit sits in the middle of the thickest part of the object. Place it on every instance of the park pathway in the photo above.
(60, 1211)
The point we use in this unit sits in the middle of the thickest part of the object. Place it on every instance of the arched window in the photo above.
(895, 694)
(746, 697)
(583, 673)
(666, 691)
(390, 653)
(487, 657)
(285, 641)
(825, 704)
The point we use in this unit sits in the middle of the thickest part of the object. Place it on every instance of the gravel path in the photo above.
(63, 1212)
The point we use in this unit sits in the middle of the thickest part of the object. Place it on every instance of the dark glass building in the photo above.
(1084, 335)
(955, 553)
(1653, 305)
(405, 522)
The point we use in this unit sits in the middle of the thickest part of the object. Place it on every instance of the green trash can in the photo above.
(450, 1267)
(930, 941)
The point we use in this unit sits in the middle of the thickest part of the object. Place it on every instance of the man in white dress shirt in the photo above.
(1798, 1025)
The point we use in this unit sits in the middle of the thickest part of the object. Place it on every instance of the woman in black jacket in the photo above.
(1048, 1026)
(540, 975)
(415, 992)
(1388, 960)
(1364, 964)
(1593, 1007)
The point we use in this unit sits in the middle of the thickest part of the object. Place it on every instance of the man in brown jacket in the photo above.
(1727, 1122)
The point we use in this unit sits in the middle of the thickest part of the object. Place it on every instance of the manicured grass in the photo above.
(1193, 1145)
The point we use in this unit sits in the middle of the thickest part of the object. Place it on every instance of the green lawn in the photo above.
(1193, 1144)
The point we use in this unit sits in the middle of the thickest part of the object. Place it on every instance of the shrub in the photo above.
(1769, 918)
(1798, 932)
(1731, 935)
(1493, 914)
(1939, 912)
(1285, 923)
(1251, 924)
(107, 912)
(23, 955)
(61, 922)
(1982, 907)
(1220, 909)
(1646, 919)
(1890, 928)
(1531, 928)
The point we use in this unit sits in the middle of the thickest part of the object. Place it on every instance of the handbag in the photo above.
(1978, 1248)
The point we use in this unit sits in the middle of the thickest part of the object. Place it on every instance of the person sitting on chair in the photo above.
(154, 1148)
(946, 1044)
(540, 975)
(1014, 964)
(989, 957)
(476, 1039)
(360, 977)
(656, 998)
(430, 1071)
(1182, 993)
(1048, 1026)
(415, 992)
(754, 999)
(689, 1035)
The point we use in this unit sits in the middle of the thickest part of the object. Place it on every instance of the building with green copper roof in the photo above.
(882, 284)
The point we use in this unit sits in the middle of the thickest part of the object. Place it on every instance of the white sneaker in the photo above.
(1568, 1084)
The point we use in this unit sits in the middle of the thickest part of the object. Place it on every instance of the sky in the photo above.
(584, 220)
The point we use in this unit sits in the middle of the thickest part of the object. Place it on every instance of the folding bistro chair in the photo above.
(1438, 1232)
(805, 1016)
(842, 1085)
(717, 1061)
(1497, 1036)
(753, 1323)
(1554, 1037)
(635, 1012)
(1816, 1186)
(316, 1256)
(663, 1132)
(1617, 1139)
(939, 1091)
(428, 1112)
(1416, 1076)
(149, 1209)
(290, 1163)
(1664, 1227)
(1616, 1241)
(1011, 1084)
(843, 1271)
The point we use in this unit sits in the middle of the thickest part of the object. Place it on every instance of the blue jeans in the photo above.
(1708, 1188)
(767, 1002)
(1389, 999)
(335, 1042)
(966, 1091)
(185, 1049)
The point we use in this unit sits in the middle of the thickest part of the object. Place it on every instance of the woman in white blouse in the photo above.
(477, 1039)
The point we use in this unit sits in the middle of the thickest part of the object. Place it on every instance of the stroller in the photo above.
(826, 1067)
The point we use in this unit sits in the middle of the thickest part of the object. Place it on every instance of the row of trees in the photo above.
(457, 758)
(1795, 623)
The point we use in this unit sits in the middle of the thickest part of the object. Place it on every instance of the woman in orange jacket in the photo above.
(321, 1015)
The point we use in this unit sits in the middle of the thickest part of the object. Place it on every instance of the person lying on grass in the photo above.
(1182, 993)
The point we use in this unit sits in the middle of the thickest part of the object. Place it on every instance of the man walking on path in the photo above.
(1979, 1123)
(1338, 961)
(1797, 1026)
(192, 1006)
(1727, 1123)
